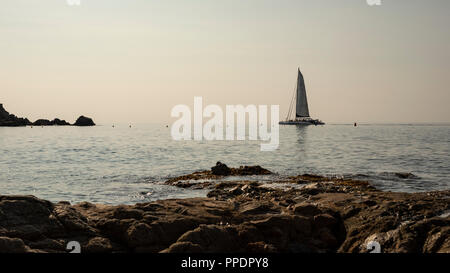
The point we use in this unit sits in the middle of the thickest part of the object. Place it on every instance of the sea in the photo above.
(127, 165)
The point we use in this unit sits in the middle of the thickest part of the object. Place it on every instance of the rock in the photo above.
(260, 247)
(46, 122)
(327, 238)
(406, 175)
(42, 122)
(98, 245)
(250, 170)
(140, 234)
(324, 220)
(217, 171)
(28, 218)
(84, 121)
(184, 247)
(240, 217)
(127, 213)
(12, 245)
(220, 169)
(211, 238)
(59, 122)
(9, 120)
(306, 209)
(73, 220)
(48, 245)
(236, 190)
(259, 208)
(438, 241)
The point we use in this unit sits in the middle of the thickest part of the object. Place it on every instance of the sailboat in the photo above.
(299, 103)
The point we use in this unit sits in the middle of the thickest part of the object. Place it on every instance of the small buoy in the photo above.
(167, 126)
(355, 124)
(113, 126)
(130, 126)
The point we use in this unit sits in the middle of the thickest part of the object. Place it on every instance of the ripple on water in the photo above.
(106, 165)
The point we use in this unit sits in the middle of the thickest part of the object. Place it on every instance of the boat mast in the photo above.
(291, 106)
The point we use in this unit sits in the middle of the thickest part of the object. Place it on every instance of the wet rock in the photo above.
(406, 175)
(220, 169)
(250, 170)
(236, 190)
(84, 121)
(216, 172)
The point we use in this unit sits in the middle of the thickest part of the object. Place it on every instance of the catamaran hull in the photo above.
(299, 122)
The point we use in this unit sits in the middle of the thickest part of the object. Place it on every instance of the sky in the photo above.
(131, 61)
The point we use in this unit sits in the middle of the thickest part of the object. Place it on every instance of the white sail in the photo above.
(302, 102)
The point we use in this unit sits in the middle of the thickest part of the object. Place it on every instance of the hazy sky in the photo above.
(133, 60)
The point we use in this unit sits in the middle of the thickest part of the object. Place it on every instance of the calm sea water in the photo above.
(128, 165)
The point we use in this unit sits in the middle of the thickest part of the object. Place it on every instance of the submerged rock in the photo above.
(224, 170)
(406, 176)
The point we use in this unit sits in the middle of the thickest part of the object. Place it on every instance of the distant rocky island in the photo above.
(10, 120)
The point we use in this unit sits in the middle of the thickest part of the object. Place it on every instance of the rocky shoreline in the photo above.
(308, 213)
(10, 120)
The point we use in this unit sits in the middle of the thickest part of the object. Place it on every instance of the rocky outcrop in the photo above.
(9, 120)
(309, 214)
(84, 121)
(218, 171)
(46, 122)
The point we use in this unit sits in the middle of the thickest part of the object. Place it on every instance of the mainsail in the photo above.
(302, 102)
